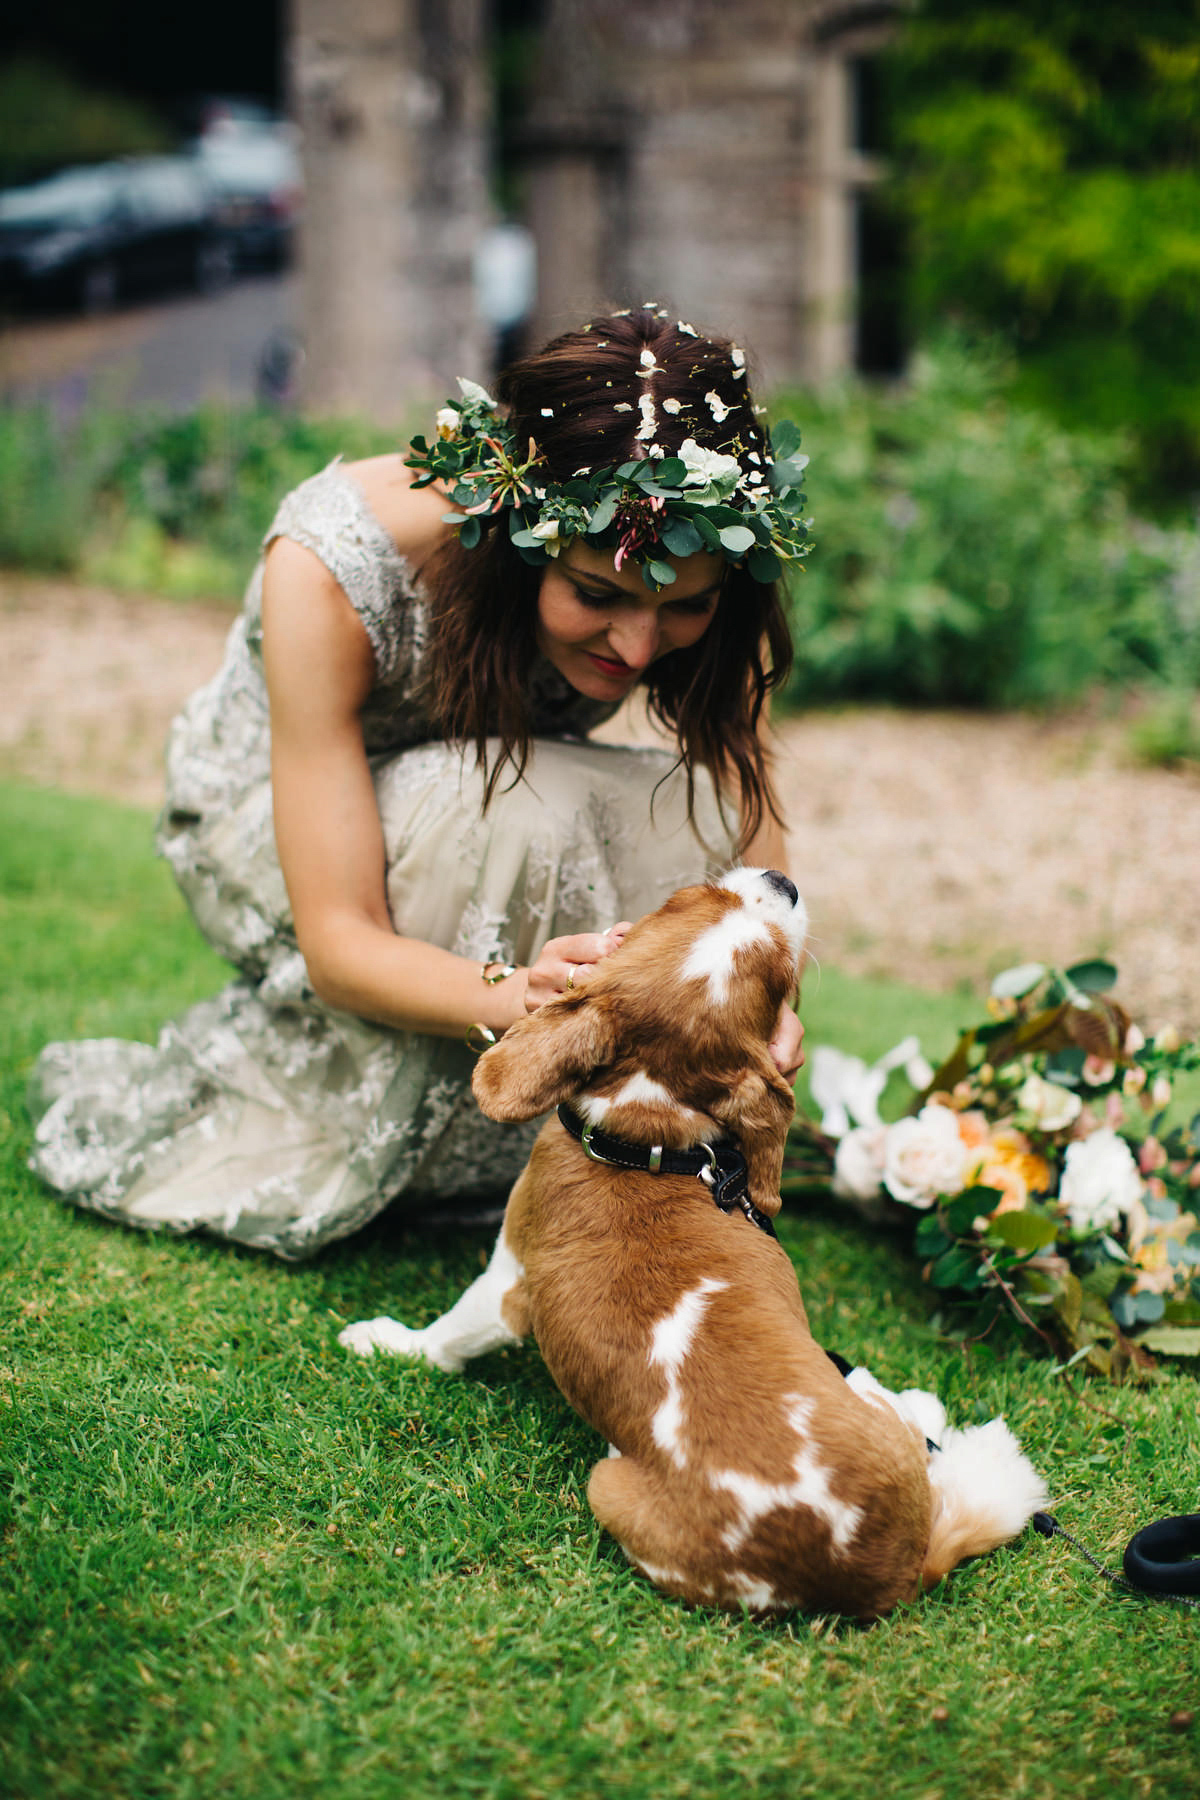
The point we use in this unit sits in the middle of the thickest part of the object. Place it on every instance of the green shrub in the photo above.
(970, 552)
(174, 505)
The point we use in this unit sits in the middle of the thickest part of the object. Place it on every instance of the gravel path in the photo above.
(931, 847)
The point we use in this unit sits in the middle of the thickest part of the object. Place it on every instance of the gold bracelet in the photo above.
(503, 971)
(487, 1035)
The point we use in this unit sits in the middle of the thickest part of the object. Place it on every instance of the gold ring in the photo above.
(571, 968)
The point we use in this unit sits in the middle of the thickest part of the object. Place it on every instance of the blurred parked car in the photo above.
(253, 169)
(91, 237)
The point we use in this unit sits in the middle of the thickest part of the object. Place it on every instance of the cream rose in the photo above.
(1100, 1181)
(1052, 1107)
(924, 1157)
(858, 1163)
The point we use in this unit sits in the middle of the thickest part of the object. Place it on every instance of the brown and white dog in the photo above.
(744, 1469)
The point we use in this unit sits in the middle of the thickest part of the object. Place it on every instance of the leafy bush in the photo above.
(172, 505)
(968, 552)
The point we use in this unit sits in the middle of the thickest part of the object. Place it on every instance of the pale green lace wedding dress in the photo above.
(262, 1115)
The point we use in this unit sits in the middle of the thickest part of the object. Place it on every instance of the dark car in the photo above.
(91, 237)
(253, 170)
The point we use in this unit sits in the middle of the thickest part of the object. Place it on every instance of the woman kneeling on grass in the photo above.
(384, 809)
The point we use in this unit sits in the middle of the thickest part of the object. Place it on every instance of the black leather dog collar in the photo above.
(721, 1165)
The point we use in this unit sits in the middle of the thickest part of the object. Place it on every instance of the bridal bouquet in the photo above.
(1041, 1162)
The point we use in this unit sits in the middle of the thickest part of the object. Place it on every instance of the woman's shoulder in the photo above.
(411, 516)
(352, 517)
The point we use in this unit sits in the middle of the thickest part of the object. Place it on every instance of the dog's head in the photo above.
(669, 1034)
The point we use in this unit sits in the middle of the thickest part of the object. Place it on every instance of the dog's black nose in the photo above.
(780, 881)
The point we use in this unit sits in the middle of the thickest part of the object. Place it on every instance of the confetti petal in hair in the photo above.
(717, 406)
(672, 406)
(687, 330)
(622, 406)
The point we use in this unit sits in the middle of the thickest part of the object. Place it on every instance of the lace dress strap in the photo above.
(329, 515)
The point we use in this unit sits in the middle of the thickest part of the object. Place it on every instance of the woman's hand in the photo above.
(566, 963)
(786, 1047)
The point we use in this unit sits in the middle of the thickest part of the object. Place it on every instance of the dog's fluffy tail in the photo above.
(984, 1491)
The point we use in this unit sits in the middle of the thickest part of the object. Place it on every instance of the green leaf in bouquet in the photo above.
(961, 1212)
(957, 1267)
(1102, 1279)
(931, 1236)
(1124, 1310)
(1066, 1066)
(1015, 983)
(1023, 1230)
(1094, 976)
(1182, 1312)
(1069, 1304)
(1171, 1340)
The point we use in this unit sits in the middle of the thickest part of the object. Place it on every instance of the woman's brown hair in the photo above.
(484, 601)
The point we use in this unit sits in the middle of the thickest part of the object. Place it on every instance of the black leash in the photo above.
(721, 1165)
(1162, 1561)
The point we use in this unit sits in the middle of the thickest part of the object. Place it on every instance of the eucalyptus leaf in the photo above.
(737, 539)
(681, 537)
(672, 471)
(660, 572)
(470, 532)
(707, 531)
(785, 438)
(764, 565)
(1094, 976)
(603, 515)
(1014, 984)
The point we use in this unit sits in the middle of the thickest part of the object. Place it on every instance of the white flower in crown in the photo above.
(717, 406)
(547, 533)
(672, 406)
(447, 422)
(705, 466)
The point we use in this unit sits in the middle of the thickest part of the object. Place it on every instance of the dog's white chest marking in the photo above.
(809, 1488)
(642, 1090)
(670, 1342)
(712, 955)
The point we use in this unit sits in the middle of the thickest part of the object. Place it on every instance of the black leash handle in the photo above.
(1162, 1560)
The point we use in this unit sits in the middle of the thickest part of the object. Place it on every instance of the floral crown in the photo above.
(667, 504)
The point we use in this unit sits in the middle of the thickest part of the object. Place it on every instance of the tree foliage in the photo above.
(49, 119)
(1048, 163)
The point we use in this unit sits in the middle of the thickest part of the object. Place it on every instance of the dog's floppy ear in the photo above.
(544, 1058)
(757, 1107)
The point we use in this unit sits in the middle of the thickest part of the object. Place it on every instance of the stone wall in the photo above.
(701, 153)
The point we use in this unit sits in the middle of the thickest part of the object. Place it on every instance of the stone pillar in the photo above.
(392, 101)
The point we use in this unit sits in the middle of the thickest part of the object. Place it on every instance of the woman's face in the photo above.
(600, 626)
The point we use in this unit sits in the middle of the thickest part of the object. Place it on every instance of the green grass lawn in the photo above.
(236, 1561)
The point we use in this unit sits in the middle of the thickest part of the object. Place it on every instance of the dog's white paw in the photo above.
(391, 1338)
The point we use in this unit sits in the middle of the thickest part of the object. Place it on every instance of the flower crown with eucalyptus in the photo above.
(663, 505)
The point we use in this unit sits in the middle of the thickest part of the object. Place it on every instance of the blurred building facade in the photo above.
(714, 155)
(710, 155)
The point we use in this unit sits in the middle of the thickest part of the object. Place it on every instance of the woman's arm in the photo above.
(767, 850)
(320, 669)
